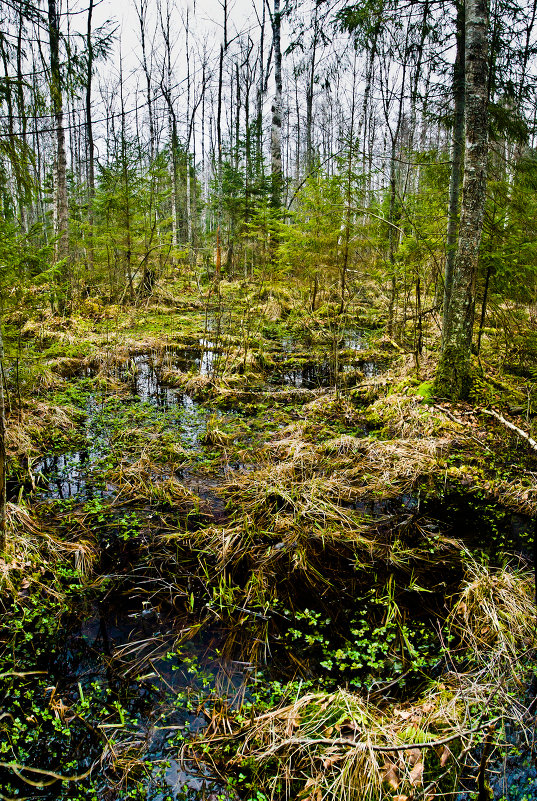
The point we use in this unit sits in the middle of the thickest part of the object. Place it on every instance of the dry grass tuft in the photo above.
(330, 406)
(38, 423)
(214, 436)
(341, 745)
(348, 748)
(32, 552)
(407, 417)
(390, 468)
(144, 480)
(345, 445)
(495, 612)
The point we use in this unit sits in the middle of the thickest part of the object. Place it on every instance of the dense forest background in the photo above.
(319, 141)
(268, 397)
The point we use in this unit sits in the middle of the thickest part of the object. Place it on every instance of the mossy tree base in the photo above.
(453, 378)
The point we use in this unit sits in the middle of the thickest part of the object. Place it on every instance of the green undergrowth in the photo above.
(325, 540)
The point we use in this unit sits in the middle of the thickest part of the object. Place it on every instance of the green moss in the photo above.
(453, 378)
(425, 390)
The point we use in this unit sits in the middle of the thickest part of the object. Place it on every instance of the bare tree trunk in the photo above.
(309, 90)
(189, 129)
(348, 195)
(393, 230)
(24, 197)
(223, 48)
(61, 210)
(276, 130)
(141, 11)
(453, 377)
(89, 134)
(260, 92)
(457, 149)
(166, 88)
(126, 188)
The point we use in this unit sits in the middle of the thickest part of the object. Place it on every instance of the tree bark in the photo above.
(141, 11)
(61, 210)
(453, 377)
(89, 134)
(457, 149)
(310, 90)
(276, 130)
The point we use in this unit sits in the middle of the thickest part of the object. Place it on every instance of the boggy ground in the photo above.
(249, 556)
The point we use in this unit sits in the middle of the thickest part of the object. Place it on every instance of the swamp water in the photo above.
(144, 675)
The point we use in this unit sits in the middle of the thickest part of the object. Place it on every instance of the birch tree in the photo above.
(61, 210)
(453, 377)
(276, 129)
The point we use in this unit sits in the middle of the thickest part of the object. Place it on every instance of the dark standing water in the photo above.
(125, 651)
(157, 673)
(151, 667)
(78, 473)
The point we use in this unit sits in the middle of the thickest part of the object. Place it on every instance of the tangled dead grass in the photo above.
(349, 748)
(33, 554)
(495, 613)
(236, 388)
(390, 468)
(39, 422)
(341, 745)
(145, 480)
(408, 417)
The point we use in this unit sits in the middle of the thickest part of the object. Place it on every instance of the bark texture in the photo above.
(60, 182)
(457, 150)
(453, 376)
(276, 131)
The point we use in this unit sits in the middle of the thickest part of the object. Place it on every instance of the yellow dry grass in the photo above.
(341, 745)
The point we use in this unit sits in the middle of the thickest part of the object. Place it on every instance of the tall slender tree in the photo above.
(453, 377)
(276, 128)
(61, 208)
(457, 150)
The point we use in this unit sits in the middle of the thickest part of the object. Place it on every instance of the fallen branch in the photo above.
(18, 768)
(507, 423)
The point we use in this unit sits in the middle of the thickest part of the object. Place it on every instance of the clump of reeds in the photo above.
(341, 746)
(145, 480)
(333, 407)
(407, 417)
(38, 422)
(174, 378)
(214, 435)
(159, 448)
(387, 468)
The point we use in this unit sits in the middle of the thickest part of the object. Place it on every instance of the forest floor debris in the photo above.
(310, 523)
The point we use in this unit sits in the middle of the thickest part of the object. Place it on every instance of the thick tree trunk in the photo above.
(453, 375)
(457, 149)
